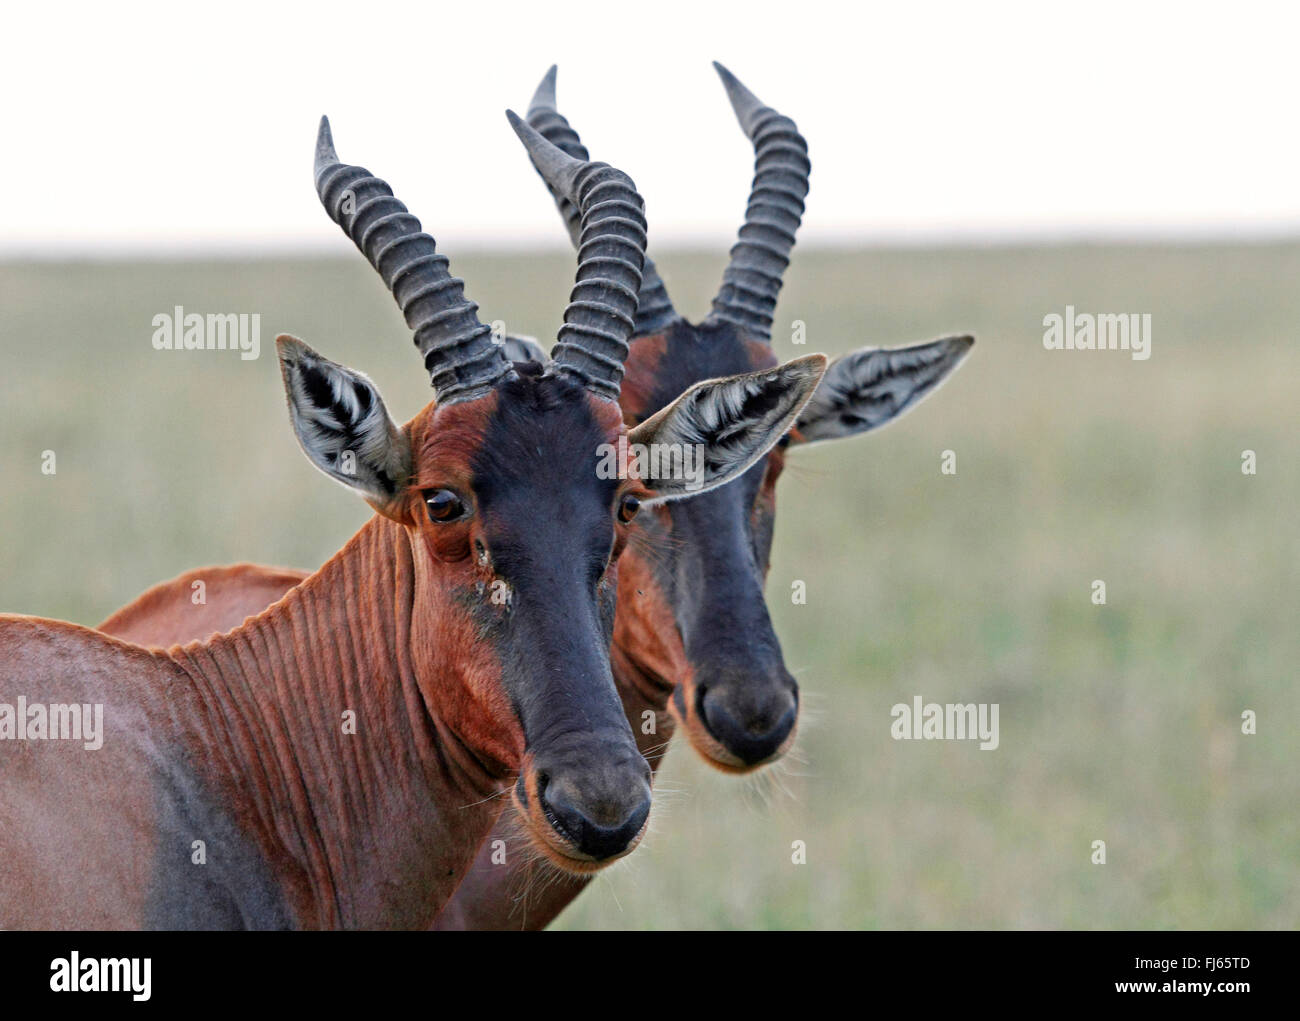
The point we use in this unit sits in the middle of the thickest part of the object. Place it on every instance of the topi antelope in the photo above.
(691, 632)
(693, 625)
(230, 790)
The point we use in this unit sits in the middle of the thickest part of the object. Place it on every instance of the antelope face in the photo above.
(513, 537)
(537, 533)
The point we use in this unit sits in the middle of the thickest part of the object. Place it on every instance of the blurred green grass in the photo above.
(1119, 723)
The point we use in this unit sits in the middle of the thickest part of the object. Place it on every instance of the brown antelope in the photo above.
(710, 641)
(691, 632)
(334, 760)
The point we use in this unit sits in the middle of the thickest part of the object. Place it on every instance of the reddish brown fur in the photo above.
(167, 614)
(641, 377)
(251, 719)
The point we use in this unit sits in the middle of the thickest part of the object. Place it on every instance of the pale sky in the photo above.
(145, 128)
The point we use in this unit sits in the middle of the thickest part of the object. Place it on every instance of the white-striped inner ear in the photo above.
(715, 430)
(342, 424)
(871, 386)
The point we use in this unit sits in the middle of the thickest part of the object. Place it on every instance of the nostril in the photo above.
(754, 735)
(781, 729)
(633, 823)
(775, 717)
(566, 821)
(618, 827)
(702, 701)
(601, 842)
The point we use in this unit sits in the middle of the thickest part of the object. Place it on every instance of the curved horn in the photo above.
(592, 343)
(759, 257)
(457, 348)
(654, 308)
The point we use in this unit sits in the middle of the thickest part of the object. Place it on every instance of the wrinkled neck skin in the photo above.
(373, 828)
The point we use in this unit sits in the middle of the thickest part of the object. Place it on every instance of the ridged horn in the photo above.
(458, 352)
(592, 343)
(654, 308)
(759, 257)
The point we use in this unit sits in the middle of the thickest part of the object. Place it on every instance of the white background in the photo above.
(175, 127)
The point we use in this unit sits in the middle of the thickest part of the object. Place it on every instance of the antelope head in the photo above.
(694, 621)
(511, 531)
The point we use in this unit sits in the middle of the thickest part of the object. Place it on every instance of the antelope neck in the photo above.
(373, 828)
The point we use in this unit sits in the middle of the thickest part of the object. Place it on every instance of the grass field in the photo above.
(1119, 722)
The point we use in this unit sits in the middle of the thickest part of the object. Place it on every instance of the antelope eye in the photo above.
(443, 505)
(627, 508)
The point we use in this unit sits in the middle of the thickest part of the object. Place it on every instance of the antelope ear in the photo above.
(519, 348)
(342, 425)
(715, 430)
(874, 385)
